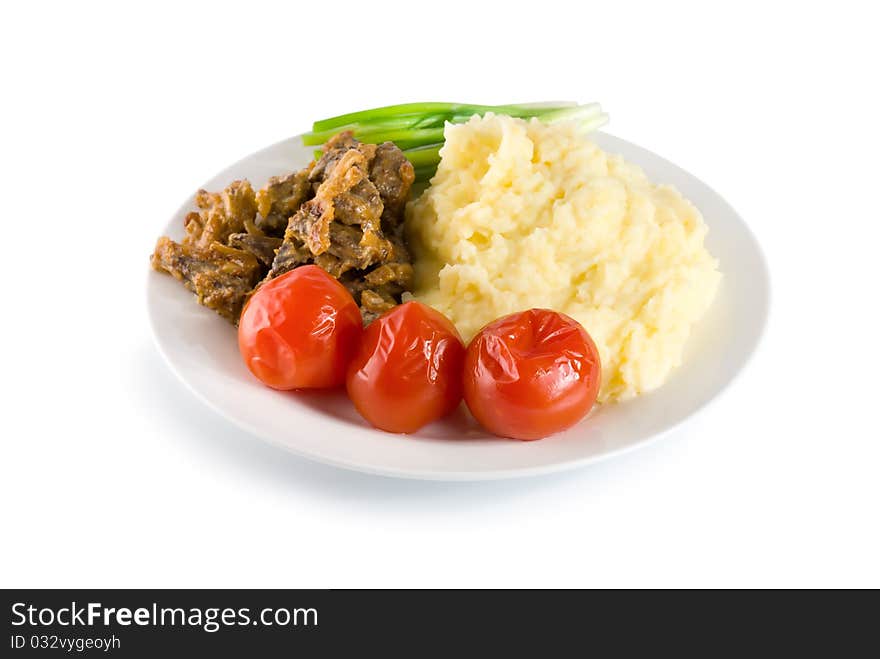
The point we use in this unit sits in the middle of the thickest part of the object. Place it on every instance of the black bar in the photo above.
(251, 623)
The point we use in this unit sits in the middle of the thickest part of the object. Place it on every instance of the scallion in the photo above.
(417, 128)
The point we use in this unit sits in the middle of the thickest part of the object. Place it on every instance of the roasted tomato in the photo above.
(531, 374)
(407, 371)
(300, 330)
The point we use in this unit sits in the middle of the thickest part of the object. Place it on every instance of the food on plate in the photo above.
(218, 271)
(353, 225)
(407, 370)
(418, 127)
(531, 374)
(574, 278)
(221, 277)
(523, 214)
(343, 213)
(300, 330)
(280, 198)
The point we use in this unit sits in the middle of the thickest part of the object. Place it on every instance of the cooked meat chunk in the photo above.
(390, 275)
(379, 289)
(401, 253)
(311, 225)
(220, 214)
(292, 254)
(393, 175)
(353, 226)
(280, 198)
(343, 213)
(355, 247)
(374, 304)
(360, 205)
(221, 277)
(263, 247)
(344, 218)
(336, 147)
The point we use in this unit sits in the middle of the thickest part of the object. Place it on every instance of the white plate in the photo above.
(201, 349)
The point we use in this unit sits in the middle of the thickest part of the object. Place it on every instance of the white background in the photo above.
(114, 475)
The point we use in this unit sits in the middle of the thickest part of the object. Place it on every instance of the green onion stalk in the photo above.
(417, 128)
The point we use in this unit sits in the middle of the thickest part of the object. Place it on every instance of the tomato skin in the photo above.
(407, 371)
(531, 374)
(300, 330)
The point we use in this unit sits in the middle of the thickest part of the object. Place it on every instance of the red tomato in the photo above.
(531, 374)
(300, 330)
(407, 371)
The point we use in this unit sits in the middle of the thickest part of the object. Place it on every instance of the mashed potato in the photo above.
(522, 214)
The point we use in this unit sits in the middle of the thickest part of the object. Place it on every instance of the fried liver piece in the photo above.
(353, 226)
(221, 214)
(393, 176)
(379, 289)
(343, 213)
(336, 147)
(280, 198)
(349, 201)
(263, 247)
(222, 277)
